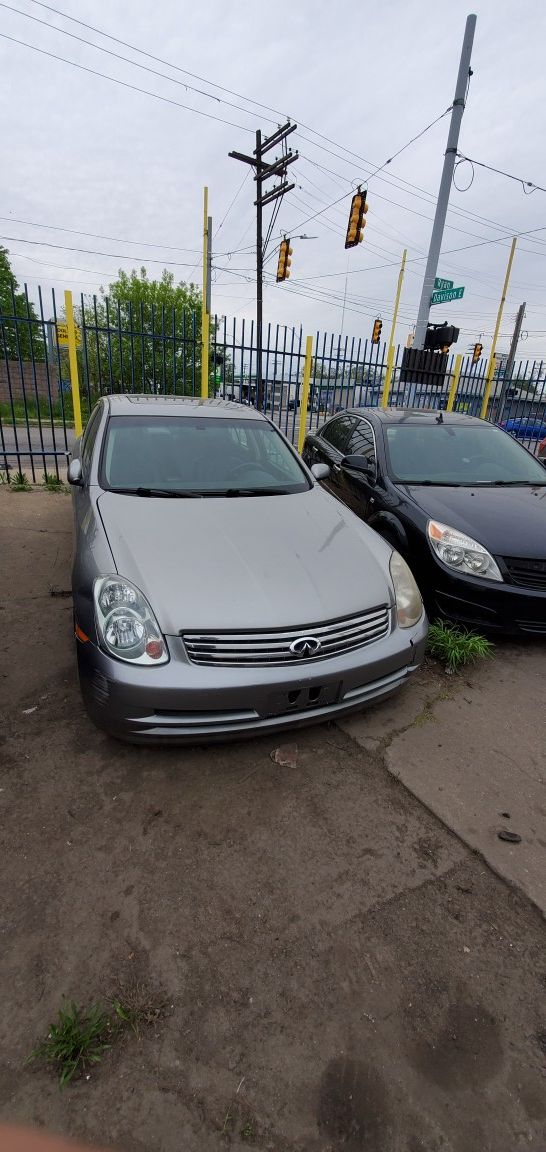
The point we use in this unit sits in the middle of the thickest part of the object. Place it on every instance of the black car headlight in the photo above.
(461, 553)
(126, 625)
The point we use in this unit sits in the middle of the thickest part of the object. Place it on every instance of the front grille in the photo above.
(527, 573)
(252, 649)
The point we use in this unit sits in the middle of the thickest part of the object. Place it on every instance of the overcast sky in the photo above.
(80, 152)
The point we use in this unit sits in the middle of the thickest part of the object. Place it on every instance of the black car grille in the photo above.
(527, 573)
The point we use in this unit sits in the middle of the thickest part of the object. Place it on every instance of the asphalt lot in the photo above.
(340, 969)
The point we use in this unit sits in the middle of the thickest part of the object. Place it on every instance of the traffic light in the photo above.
(283, 267)
(376, 334)
(478, 349)
(439, 337)
(357, 223)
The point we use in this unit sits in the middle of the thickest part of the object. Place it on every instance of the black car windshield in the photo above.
(459, 454)
(204, 455)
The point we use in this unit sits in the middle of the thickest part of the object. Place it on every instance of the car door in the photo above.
(356, 488)
(328, 446)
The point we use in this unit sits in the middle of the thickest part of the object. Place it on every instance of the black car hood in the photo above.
(507, 521)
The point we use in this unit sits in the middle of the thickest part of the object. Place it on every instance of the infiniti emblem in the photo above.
(305, 646)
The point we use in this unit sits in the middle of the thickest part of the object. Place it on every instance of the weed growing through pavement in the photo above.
(79, 1037)
(454, 647)
(19, 482)
(52, 483)
(135, 1005)
(75, 1042)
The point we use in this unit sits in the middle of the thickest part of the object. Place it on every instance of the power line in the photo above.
(93, 252)
(96, 235)
(396, 181)
(125, 59)
(518, 179)
(124, 83)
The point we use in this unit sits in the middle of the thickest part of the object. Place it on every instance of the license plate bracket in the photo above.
(304, 698)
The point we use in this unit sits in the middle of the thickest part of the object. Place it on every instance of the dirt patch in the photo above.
(337, 970)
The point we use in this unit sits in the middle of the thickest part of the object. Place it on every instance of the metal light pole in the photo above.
(445, 184)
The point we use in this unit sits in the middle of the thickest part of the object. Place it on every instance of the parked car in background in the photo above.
(218, 590)
(461, 500)
(525, 427)
(541, 451)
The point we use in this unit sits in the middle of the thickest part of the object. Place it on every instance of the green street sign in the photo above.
(445, 297)
(442, 285)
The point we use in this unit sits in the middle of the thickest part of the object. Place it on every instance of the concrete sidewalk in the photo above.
(472, 748)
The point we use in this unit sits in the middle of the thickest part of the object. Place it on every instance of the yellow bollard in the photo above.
(73, 362)
(388, 377)
(454, 382)
(305, 391)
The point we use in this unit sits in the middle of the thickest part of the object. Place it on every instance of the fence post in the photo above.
(388, 377)
(305, 391)
(454, 382)
(73, 362)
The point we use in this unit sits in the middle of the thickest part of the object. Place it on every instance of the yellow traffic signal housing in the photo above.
(357, 223)
(283, 267)
(478, 349)
(376, 334)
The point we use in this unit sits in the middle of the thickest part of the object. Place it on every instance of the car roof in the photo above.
(129, 405)
(415, 416)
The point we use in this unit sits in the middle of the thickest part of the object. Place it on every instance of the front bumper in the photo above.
(490, 605)
(180, 702)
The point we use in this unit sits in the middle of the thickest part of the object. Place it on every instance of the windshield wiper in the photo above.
(513, 483)
(251, 492)
(176, 493)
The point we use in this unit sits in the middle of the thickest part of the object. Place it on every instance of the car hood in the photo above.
(247, 563)
(507, 521)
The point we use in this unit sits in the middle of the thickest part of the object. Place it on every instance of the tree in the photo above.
(21, 332)
(143, 335)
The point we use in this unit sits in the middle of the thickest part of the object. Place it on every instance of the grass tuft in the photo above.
(455, 647)
(135, 1005)
(75, 1042)
(52, 482)
(19, 482)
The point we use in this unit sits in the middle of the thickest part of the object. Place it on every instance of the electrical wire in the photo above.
(125, 59)
(124, 83)
(396, 181)
(96, 235)
(526, 184)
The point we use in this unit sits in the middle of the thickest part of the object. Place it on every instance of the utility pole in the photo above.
(491, 365)
(259, 272)
(509, 366)
(445, 183)
(390, 353)
(263, 171)
(206, 296)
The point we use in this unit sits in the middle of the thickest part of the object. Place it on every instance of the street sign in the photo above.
(442, 285)
(446, 296)
(62, 335)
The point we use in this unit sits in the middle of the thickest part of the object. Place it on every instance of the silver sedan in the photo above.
(218, 589)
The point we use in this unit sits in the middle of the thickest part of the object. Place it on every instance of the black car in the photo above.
(459, 498)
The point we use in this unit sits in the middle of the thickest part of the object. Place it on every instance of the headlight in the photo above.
(461, 553)
(126, 624)
(409, 605)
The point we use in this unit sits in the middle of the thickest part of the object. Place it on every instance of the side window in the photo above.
(89, 438)
(337, 432)
(362, 443)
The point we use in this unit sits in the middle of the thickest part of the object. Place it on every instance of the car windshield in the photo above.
(198, 455)
(459, 454)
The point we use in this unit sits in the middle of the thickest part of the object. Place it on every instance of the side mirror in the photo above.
(320, 471)
(74, 474)
(358, 464)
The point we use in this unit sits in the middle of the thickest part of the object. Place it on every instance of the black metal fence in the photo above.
(157, 350)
